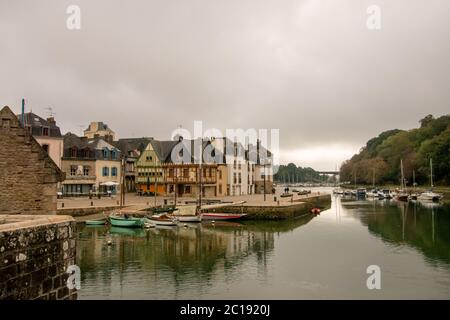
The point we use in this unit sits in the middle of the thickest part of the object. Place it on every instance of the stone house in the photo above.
(28, 176)
(99, 130)
(91, 165)
(263, 174)
(46, 133)
(240, 171)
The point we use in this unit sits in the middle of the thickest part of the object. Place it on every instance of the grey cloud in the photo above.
(310, 68)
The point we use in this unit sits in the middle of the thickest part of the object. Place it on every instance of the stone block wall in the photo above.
(28, 176)
(35, 252)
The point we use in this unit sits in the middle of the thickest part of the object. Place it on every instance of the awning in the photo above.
(109, 183)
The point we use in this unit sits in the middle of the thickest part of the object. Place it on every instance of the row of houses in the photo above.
(98, 163)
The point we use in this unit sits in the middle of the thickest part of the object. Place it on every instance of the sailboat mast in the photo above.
(201, 173)
(431, 172)
(373, 177)
(156, 181)
(401, 169)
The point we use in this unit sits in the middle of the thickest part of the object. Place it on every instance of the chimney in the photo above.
(51, 120)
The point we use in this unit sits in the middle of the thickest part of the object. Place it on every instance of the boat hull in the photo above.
(194, 218)
(95, 222)
(126, 222)
(161, 222)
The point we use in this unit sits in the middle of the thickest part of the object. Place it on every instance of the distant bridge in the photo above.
(335, 173)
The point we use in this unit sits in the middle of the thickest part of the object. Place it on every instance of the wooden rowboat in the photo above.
(98, 222)
(162, 220)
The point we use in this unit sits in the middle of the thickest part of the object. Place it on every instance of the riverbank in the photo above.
(419, 189)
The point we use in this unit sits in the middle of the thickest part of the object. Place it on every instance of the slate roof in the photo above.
(37, 123)
(132, 146)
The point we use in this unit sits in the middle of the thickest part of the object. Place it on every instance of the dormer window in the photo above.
(105, 153)
(45, 131)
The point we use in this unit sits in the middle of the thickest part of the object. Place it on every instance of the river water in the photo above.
(323, 257)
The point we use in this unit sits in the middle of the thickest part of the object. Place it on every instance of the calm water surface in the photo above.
(324, 257)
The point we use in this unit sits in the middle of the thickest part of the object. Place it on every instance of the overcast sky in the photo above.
(310, 68)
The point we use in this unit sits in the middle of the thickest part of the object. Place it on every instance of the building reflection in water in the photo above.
(193, 255)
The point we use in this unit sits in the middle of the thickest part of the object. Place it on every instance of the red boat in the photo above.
(222, 216)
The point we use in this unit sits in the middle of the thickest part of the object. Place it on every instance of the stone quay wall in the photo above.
(28, 176)
(79, 212)
(35, 252)
(298, 208)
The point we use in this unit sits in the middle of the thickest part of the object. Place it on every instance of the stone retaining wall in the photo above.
(35, 252)
(78, 212)
(298, 208)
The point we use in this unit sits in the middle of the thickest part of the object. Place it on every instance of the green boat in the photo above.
(95, 222)
(129, 222)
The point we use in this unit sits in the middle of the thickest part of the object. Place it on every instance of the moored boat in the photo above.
(125, 221)
(189, 218)
(430, 196)
(98, 222)
(285, 195)
(162, 220)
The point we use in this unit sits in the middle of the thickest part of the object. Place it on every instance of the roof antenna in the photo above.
(50, 112)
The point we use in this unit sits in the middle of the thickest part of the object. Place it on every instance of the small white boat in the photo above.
(372, 194)
(430, 196)
(190, 218)
(162, 220)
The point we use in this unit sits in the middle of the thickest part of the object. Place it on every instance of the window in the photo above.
(234, 178)
(45, 147)
(149, 158)
(114, 171)
(240, 180)
(188, 189)
(220, 189)
(73, 170)
(45, 131)
(185, 173)
(113, 154)
(239, 166)
(220, 174)
(73, 152)
(86, 153)
(105, 171)
(171, 173)
(234, 164)
(86, 170)
(105, 154)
